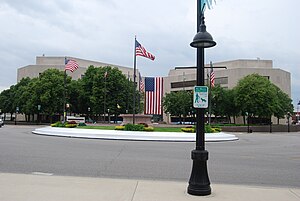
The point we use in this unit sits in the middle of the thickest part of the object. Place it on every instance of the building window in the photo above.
(221, 80)
(183, 84)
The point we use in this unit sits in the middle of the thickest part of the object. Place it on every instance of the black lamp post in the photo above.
(199, 183)
(288, 117)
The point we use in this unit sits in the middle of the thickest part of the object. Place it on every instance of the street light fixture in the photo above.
(199, 183)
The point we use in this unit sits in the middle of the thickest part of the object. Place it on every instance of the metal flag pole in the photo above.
(64, 100)
(134, 81)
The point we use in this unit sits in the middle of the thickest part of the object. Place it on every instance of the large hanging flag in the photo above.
(71, 65)
(153, 95)
(141, 83)
(141, 51)
(212, 78)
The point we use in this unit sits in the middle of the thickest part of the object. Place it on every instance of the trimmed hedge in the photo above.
(64, 125)
(71, 125)
(120, 128)
(81, 124)
(208, 129)
(134, 127)
(149, 129)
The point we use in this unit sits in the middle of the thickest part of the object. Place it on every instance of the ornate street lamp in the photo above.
(199, 183)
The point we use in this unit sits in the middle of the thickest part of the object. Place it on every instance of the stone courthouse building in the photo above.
(227, 73)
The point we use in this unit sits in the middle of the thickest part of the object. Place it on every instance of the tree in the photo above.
(218, 101)
(231, 109)
(256, 95)
(283, 104)
(6, 101)
(22, 97)
(49, 91)
(178, 103)
(104, 88)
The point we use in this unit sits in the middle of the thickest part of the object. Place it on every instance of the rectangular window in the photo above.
(183, 84)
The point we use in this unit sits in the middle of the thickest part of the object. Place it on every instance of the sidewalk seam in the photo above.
(137, 183)
(291, 190)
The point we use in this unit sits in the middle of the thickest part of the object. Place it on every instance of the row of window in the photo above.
(191, 83)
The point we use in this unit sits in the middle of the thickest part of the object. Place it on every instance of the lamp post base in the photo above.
(199, 183)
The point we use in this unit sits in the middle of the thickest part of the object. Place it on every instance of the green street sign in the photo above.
(200, 99)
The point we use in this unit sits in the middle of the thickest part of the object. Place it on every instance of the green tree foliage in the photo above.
(253, 94)
(49, 91)
(283, 104)
(6, 100)
(178, 103)
(222, 102)
(106, 87)
(256, 95)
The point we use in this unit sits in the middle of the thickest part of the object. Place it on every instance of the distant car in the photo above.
(1, 123)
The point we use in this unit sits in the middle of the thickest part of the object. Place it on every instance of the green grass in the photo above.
(167, 129)
(98, 127)
(157, 129)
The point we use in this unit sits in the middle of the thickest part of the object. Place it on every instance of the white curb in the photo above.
(131, 135)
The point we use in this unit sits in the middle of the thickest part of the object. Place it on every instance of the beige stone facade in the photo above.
(44, 62)
(184, 78)
(179, 78)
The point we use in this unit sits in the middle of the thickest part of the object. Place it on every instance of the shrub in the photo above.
(71, 125)
(188, 129)
(72, 122)
(144, 124)
(58, 124)
(208, 129)
(81, 124)
(148, 129)
(134, 127)
(217, 129)
(120, 128)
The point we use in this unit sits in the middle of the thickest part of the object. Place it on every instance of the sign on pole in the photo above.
(200, 99)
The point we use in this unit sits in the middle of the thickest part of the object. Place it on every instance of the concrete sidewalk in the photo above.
(22, 187)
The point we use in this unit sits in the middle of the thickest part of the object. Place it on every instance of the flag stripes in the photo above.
(153, 95)
(141, 51)
(212, 78)
(71, 65)
(141, 83)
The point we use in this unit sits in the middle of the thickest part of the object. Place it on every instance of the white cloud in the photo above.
(104, 30)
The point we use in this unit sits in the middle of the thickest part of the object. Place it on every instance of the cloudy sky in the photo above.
(104, 30)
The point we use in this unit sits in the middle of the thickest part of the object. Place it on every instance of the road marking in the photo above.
(42, 173)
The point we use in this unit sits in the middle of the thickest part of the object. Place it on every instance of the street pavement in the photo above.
(46, 186)
(39, 187)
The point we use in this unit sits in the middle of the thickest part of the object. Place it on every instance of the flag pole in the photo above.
(134, 81)
(139, 95)
(104, 107)
(64, 100)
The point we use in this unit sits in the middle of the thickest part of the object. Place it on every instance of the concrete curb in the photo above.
(131, 135)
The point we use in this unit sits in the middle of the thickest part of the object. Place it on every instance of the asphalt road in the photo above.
(255, 159)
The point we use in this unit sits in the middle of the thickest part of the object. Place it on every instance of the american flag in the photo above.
(153, 95)
(142, 85)
(141, 51)
(71, 65)
(212, 78)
